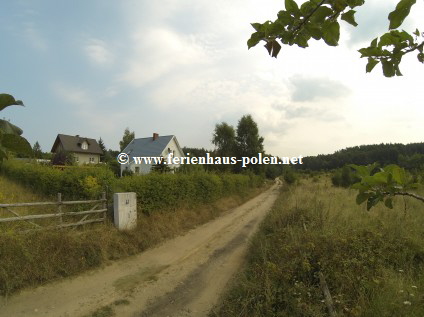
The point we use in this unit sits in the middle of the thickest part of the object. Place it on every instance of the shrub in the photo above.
(73, 182)
(171, 191)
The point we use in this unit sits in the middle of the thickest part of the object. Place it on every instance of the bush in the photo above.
(344, 177)
(289, 176)
(171, 191)
(73, 182)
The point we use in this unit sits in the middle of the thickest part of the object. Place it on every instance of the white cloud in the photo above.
(90, 110)
(159, 52)
(98, 52)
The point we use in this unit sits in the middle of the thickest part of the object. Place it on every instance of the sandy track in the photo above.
(182, 277)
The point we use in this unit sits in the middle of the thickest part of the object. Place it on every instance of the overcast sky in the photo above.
(95, 67)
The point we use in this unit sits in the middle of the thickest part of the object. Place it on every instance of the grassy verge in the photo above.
(372, 262)
(34, 258)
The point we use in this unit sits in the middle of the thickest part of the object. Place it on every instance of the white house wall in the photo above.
(146, 168)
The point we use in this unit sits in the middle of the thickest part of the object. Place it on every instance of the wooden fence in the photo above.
(98, 209)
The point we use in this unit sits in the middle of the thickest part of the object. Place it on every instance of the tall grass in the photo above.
(373, 262)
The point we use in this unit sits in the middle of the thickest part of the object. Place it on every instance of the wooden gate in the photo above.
(64, 218)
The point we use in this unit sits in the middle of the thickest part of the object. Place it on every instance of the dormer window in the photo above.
(84, 145)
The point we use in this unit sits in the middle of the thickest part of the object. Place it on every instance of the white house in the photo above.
(151, 147)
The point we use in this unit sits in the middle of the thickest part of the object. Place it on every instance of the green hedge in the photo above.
(72, 182)
(154, 191)
(172, 191)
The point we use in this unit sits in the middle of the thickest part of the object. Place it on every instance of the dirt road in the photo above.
(182, 277)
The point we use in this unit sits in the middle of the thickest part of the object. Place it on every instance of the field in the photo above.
(372, 262)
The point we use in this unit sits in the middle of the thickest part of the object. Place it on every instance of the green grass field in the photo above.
(372, 262)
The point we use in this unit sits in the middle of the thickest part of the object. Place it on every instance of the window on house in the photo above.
(84, 145)
(91, 159)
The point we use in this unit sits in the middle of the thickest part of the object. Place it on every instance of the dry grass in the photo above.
(373, 261)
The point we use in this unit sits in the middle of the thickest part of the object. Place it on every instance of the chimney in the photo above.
(155, 136)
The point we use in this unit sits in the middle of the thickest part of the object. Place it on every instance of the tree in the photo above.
(10, 135)
(63, 158)
(248, 141)
(224, 138)
(126, 139)
(103, 148)
(36, 150)
(319, 19)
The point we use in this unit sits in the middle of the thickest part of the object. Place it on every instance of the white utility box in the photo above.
(125, 210)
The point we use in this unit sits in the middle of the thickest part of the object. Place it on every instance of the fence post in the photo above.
(104, 206)
(59, 207)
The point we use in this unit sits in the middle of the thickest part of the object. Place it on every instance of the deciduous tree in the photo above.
(320, 20)
(126, 139)
(10, 135)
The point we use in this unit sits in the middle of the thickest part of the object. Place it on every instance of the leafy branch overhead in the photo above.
(381, 185)
(10, 135)
(320, 20)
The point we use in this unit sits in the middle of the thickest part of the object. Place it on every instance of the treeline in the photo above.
(241, 141)
(409, 156)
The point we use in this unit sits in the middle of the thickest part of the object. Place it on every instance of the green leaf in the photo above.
(388, 68)
(361, 187)
(355, 3)
(331, 33)
(372, 201)
(420, 57)
(7, 100)
(320, 14)
(361, 197)
(16, 143)
(7, 128)
(306, 8)
(402, 10)
(417, 32)
(349, 17)
(374, 42)
(302, 40)
(292, 7)
(388, 39)
(371, 51)
(371, 64)
(256, 26)
(285, 18)
(254, 39)
(361, 171)
(389, 203)
(314, 31)
(398, 174)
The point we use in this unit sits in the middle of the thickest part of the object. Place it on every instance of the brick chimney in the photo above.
(155, 136)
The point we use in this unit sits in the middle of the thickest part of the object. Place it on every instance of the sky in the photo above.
(95, 67)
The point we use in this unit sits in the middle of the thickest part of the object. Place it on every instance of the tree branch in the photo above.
(306, 19)
(405, 194)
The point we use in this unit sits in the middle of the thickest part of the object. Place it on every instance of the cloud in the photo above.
(98, 52)
(89, 108)
(314, 89)
(159, 52)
